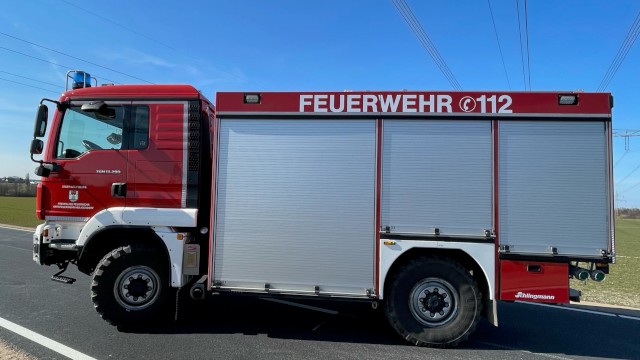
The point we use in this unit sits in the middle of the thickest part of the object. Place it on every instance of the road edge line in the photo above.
(18, 228)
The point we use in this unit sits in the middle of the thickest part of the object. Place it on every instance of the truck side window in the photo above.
(139, 133)
(84, 131)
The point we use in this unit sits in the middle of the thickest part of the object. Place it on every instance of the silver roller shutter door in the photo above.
(553, 187)
(295, 205)
(437, 174)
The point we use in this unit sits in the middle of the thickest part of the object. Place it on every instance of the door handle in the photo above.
(119, 189)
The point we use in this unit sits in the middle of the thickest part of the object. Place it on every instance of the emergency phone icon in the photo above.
(467, 104)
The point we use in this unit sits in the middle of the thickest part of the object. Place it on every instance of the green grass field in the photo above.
(622, 286)
(18, 211)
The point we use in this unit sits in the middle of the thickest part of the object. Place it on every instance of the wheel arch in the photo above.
(112, 237)
(119, 226)
(461, 256)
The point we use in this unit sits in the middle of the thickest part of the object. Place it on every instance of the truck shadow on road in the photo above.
(354, 322)
(524, 329)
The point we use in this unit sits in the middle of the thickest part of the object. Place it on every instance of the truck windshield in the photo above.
(83, 131)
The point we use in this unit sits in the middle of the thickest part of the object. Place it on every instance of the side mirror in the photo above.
(37, 146)
(42, 117)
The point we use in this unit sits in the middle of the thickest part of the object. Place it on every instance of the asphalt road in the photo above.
(250, 328)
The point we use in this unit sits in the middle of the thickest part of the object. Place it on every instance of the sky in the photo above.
(317, 45)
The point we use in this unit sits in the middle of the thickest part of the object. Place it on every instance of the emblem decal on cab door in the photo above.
(73, 195)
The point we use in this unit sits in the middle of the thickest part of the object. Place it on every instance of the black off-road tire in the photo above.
(143, 270)
(433, 301)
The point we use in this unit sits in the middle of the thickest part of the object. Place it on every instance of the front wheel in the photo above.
(130, 286)
(433, 301)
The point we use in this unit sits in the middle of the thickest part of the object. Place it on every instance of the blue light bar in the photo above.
(81, 79)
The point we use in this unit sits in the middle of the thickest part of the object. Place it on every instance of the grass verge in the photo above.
(622, 285)
(18, 211)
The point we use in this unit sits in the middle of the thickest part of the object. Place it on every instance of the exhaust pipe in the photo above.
(580, 273)
(197, 290)
(598, 275)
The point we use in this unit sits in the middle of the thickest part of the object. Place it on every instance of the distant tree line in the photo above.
(633, 213)
(15, 186)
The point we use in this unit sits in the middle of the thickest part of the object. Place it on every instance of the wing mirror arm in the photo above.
(37, 145)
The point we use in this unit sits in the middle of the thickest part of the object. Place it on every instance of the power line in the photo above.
(526, 27)
(179, 52)
(120, 25)
(495, 30)
(627, 44)
(434, 50)
(620, 159)
(524, 80)
(75, 57)
(415, 26)
(31, 86)
(405, 11)
(49, 62)
(628, 175)
(631, 188)
(32, 79)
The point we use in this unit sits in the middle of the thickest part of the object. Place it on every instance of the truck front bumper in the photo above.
(48, 250)
(37, 245)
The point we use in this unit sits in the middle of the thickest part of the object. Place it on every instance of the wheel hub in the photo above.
(432, 302)
(137, 287)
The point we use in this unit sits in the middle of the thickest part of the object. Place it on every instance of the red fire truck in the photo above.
(433, 204)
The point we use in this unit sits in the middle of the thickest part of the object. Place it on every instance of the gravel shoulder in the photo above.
(10, 352)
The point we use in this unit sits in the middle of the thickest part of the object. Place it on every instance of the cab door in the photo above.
(92, 152)
(157, 159)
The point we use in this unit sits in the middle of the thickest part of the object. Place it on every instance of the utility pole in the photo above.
(627, 135)
(619, 199)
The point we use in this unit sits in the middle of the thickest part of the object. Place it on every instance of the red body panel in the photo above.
(416, 102)
(534, 281)
(83, 186)
(41, 196)
(156, 173)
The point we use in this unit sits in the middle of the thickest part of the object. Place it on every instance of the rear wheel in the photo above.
(433, 301)
(130, 286)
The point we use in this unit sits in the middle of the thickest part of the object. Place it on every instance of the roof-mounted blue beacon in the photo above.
(79, 79)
